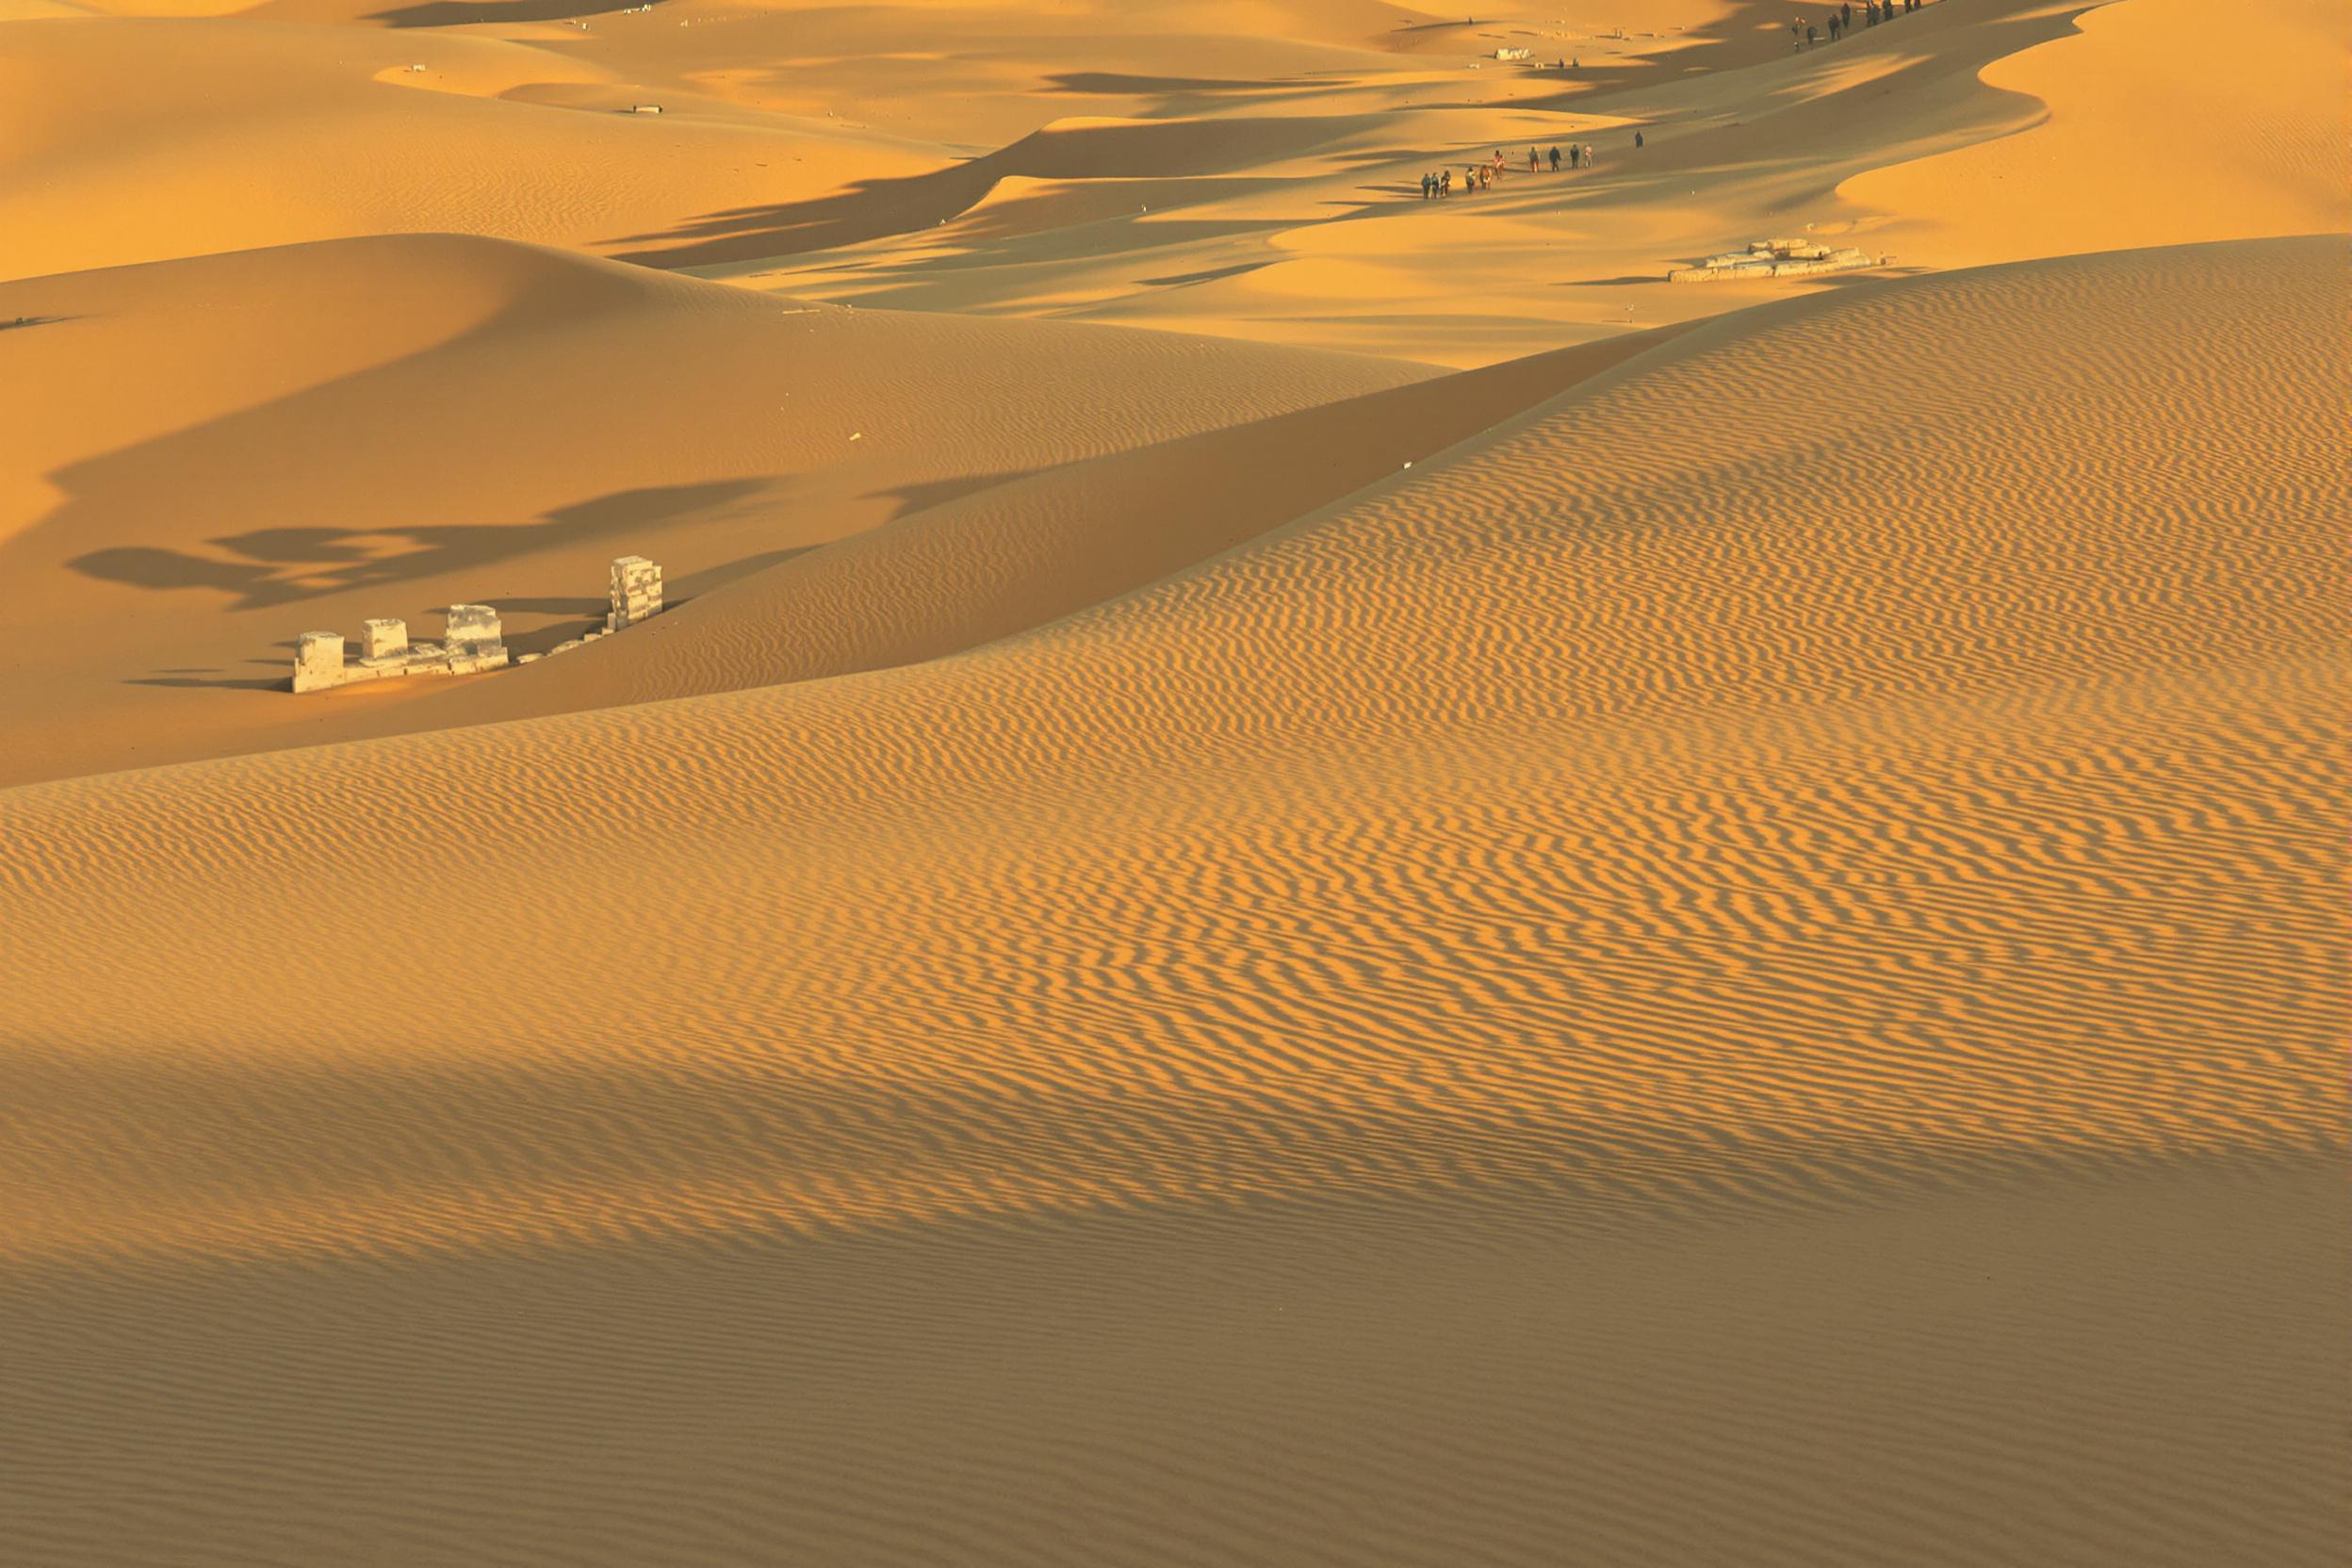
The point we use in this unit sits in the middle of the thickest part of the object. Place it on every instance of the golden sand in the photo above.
(1481, 909)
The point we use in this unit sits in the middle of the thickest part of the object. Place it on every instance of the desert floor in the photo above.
(1302, 877)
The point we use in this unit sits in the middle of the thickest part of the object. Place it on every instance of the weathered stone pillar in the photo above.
(636, 592)
(472, 629)
(383, 639)
(474, 638)
(317, 660)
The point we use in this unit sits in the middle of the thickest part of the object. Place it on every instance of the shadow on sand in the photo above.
(286, 565)
(453, 13)
(872, 209)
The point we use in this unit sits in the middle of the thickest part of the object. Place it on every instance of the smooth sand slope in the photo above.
(134, 140)
(1747, 966)
(2160, 117)
(1239, 171)
(1968, 133)
(214, 455)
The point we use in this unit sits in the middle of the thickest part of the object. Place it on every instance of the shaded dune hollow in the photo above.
(215, 454)
(1743, 963)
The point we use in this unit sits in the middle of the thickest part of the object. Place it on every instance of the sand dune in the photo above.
(2163, 118)
(1582, 831)
(139, 140)
(444, 419)
(1717, 937)
(969, 568)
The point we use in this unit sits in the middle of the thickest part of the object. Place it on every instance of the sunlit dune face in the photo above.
(1640, 862)
(1530, 879)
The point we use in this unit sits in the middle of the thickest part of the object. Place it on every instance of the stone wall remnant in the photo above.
(473, 638)
(317, 660)
(635, 593)
(383, 639)
(1775, 258)
(471, 627)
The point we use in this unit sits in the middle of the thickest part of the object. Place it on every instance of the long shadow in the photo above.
(336, 561)
(938, 492)
(872, 209)
(547, 607)
(1754, 32)
(453, 13)
(280, 683)
(1112, 84)
(869, 209)
(1186, 280)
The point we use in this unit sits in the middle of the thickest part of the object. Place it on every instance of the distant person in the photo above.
(1576, 155)
(1588, 155)
(1555, 160)
(1637, 142)
(1425, 187)
(1535, 163)
(1486, 179)
(1846, 15)
(1444, 184)
(1812, 39)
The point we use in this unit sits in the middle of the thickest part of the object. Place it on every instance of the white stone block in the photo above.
(383, 639)
(471, 626)
(317, 660)
(635, 591)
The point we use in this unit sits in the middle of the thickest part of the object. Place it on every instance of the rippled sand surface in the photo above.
(1746, 965)
(1461, 907)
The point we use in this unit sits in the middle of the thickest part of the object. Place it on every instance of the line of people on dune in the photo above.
(1805, 35)
(1482, 176)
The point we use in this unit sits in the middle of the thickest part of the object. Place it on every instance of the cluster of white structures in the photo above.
(1773, 258)
(472, 638)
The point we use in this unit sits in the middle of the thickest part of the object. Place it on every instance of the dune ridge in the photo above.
(1501, 682)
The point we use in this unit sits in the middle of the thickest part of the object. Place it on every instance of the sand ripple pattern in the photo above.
(1873, 746)
(1816, 753)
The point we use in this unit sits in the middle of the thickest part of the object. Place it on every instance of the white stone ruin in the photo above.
(1775, 258)
(471, 642)
(317, 660)
(636, 593)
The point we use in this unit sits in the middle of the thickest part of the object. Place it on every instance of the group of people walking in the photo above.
(1480, 176)
(1806, 34)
